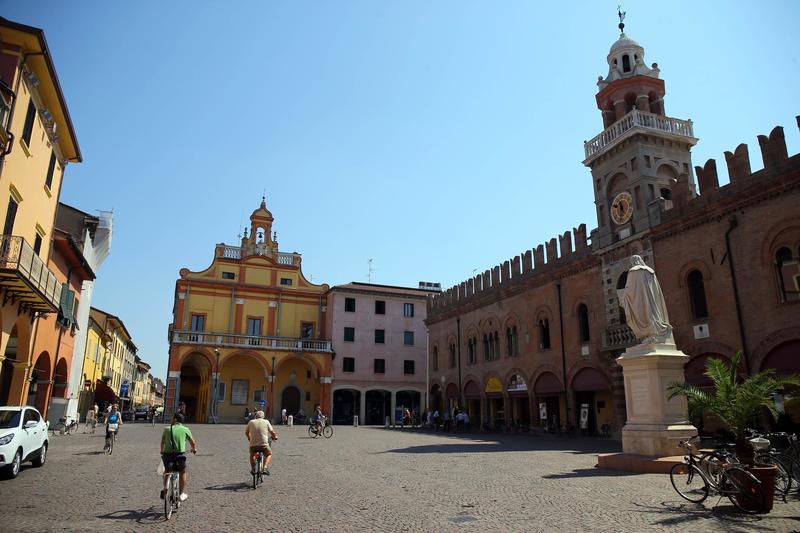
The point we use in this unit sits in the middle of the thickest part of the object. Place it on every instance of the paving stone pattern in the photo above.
(365, 479)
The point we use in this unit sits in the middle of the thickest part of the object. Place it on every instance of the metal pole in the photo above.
(272, 387)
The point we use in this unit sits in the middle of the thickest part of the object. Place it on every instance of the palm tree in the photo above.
(737, 403)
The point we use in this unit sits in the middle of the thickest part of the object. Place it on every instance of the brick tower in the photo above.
(635, 162)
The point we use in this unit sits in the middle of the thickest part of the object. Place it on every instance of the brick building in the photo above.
(537, 337)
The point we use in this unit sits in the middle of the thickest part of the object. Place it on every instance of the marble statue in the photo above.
(644, 306)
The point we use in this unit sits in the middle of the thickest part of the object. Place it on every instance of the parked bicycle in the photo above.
(693, 483)
(64, 426)
(326, 429)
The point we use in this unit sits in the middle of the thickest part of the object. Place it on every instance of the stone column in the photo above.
(362, 408)
(393, 405)
(655, 426)
(507, 409)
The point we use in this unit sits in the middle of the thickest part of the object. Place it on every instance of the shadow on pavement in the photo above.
(96, 452)
(140, 516)
(230, 487)
(483, 442)
(728, 516)
(589, 472)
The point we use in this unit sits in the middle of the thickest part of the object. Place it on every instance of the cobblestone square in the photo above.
(365, 479)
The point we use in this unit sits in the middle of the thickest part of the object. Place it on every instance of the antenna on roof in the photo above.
(369, 270)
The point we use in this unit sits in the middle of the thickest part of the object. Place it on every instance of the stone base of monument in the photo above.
(655, 425)
(638, 464)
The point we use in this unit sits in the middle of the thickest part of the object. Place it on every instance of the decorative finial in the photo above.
(621, 15)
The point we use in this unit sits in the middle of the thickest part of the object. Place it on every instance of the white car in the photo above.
(23, 437)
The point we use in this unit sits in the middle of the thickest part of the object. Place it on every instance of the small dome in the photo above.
(624, 42)
(262, 211)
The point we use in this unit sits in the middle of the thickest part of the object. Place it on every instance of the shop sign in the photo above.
(517, 384)
(493, 384)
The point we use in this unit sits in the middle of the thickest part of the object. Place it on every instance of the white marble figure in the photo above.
(643, 302)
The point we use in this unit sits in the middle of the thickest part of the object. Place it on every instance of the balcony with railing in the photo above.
(638, 122)
(618, 337)
(25, 277)
(235, 252)
(252, 342)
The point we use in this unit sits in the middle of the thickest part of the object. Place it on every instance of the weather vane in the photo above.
(621, 15)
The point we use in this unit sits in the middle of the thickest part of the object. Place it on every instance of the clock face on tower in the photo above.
(622, 208)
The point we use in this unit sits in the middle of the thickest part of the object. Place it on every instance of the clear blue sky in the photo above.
(434, 137)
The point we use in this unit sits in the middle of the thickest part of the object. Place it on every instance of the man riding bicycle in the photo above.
(317, 418)
(173, 452)
(113, 423)
(258, 432)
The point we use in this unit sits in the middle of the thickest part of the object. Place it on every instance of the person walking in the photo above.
(91, 418)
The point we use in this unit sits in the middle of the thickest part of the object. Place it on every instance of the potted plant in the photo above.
(737, 403)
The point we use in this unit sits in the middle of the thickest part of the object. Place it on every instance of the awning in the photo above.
(590, 380)
(472, 391)
(548, 383)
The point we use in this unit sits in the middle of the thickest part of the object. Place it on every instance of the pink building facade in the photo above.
(379, 338)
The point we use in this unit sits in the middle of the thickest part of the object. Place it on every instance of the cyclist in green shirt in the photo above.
(173, 452)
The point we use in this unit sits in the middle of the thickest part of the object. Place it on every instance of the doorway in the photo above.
(290, 400)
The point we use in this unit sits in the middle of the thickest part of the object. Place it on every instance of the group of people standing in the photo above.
(446, 420)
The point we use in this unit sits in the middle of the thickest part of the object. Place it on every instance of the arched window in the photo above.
(496, 345)
(452, 355)
(486, 354)
(509, 343)
(697, 294)
(515, 340)
(544, 334)
(626, 63)
(436, 358)
(583, 322)
(788, 271)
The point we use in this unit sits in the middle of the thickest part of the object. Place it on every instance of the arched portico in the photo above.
(195, 386)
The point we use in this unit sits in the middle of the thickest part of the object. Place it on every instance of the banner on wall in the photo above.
(584, 416)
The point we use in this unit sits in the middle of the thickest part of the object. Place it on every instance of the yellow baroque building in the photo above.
(251, 328)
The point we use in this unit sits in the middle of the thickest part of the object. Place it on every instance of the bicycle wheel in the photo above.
(59, 428)
(111, 444)
(168, 495)
(783, 479)
(688, 481)
(792, 466)
(327, 432)
(743, 490)
(312, 432)
(257, 472)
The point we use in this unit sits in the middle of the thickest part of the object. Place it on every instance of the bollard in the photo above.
(290, 421)
(386, 425)
(355, 421)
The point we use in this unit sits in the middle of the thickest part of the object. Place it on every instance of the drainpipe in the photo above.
(733, 224)
(563, 351)
(458, 351)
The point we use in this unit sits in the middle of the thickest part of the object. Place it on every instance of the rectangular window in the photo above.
(348, 364)
(11, 216)
(239, 391)
(408, 309)
(37, 244)
(306, 330)
(349, 305)
(380, 366)
(349, 334)
(286, 281)
(408, 367)
(221, 391)
(380, 336)
(380, 307)
(228, 275)
(48, 181)
(254, 330)
(198, 323)
(408, 338)
(27, 129)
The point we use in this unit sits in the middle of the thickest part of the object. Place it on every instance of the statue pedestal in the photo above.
(655, 426)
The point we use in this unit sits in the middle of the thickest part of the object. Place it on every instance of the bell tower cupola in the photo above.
(641, 153)
(262, 240)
